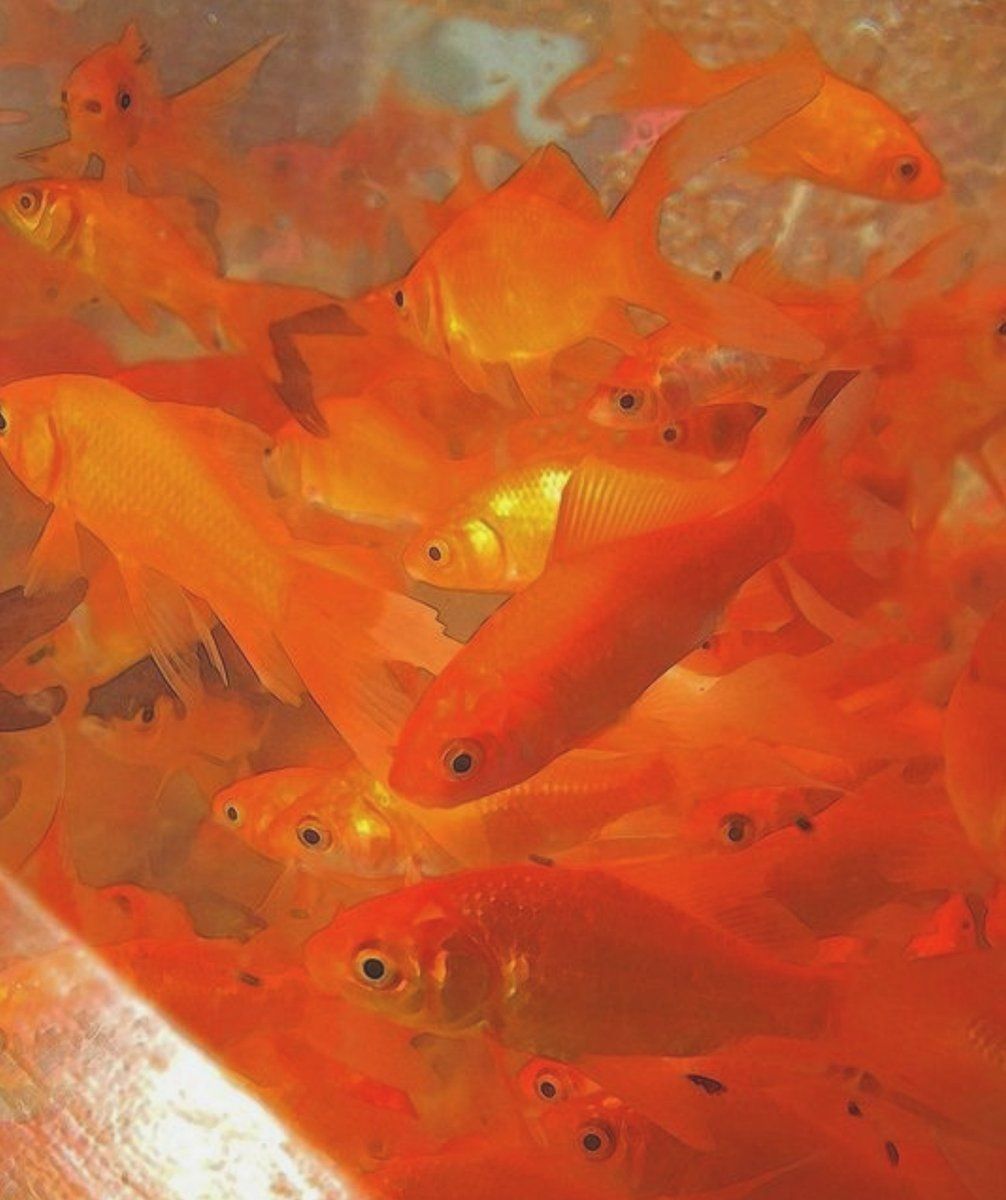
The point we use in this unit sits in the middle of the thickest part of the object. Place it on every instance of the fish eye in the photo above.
(628, 402)
(461, 758)
(1001, 328)
(907, 167)
(3, 422)
(233, 814)
(313, 836)
(374, 969)
(124, 99)
(437, 551)
(596, 1140)
(29, 200)
(399, 298)
(548, 1087)
(670, 434)
(147, 714)
(736, 828)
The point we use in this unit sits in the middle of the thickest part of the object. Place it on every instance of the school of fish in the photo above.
(533, 712)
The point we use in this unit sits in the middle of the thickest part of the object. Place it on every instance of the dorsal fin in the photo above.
(206, 99)
(605, 503)
(551, 173)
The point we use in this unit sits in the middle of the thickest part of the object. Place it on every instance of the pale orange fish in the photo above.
(536, 268)
(192, 530)
(846, 137)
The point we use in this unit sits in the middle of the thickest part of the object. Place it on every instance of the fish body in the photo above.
(177, 496)
(610, 968)
(846, 137)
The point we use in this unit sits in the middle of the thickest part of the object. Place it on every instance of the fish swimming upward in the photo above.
(536, 267)
(169, 489)
(631, 587)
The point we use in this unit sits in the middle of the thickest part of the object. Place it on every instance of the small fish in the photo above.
(536, 268)
(872, 150)
(191, 529)
(86, 224)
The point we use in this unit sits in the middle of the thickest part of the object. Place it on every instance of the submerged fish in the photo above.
(536, 267)
(178, 524)
(845, 137)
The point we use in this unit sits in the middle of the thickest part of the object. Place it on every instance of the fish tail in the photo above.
(344, 637)
(708, 134)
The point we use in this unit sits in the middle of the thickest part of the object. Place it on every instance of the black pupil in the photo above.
(231, 813)
(626, 402)
(547, 1089)
(147, 715)
(462, 763)
(399, 298)
(591, 1142)
(125, 100)
(908, 168)
(3, 423)
(670, 434)
(735, 831)
(374, 969)
(435, 553)
(310, 835)
(26, 200)
(1001, 329)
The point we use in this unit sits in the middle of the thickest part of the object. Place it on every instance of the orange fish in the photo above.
(169, 265)
(846, 137)
(616, 606)
(191, 529)
(611, 971)
(116, 108)
(535, 267)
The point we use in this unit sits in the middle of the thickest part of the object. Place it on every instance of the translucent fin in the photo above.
(605, 503)
(164, 615)
(711, 132)
(551, 173)
(54, 563)
(205, 100)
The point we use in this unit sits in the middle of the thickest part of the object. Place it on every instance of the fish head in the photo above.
(627, 406)
(417, 303)
(543, 1082)
(469, 736)
(892, 163)
(598, 1137)
(251, 807)
(410, 957)
(44, 212)
(467, 553)
(339, 832)
(30, 439)
(106, 94)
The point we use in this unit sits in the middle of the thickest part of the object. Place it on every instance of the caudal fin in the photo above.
(344, 637)
(211, 96)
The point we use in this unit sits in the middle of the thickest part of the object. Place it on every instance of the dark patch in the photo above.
(296, 387)
(132, 691)
(804, 824)
(853, 1109)
(824, 393)
(710, 1086)
(18, 713)
(25, 618)
(541, 860)
(250, 980)
(893, 1154)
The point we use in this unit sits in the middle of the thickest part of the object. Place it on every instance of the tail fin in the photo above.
(343, 637)
(207, 99)
(706, 135)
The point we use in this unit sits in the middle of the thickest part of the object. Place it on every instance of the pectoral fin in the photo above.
(55, 561)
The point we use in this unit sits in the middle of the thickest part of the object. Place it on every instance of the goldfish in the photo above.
(587, 981)
(116, 108)
(86, 223)
(249, 574)
(871, 150)
(486, 292)
(523, 689)
(347, 826)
